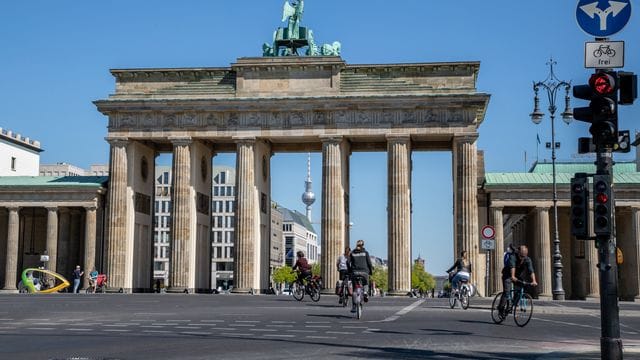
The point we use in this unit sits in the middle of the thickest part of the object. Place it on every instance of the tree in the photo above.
(380, 277)
(421, 280)
(315, 269)
(283, 275)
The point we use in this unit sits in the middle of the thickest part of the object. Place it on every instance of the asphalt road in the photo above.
(163, 326)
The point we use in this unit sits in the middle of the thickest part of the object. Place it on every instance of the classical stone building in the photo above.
(56, 216)
(261, 106)
(520, 207)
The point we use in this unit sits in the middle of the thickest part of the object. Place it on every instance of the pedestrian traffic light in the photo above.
(602, 112)
(628, 87)
(602, 205)
(580, 207)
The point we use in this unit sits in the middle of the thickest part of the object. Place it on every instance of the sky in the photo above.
(55, 58)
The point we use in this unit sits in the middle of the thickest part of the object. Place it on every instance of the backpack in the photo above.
(506, 259)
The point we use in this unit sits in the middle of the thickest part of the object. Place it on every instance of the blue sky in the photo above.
(56, 55)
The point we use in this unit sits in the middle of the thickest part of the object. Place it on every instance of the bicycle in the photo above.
(521, 306)
(312, 288)
(344, 291)
(358, 295)
(604, 50)
(462, 295)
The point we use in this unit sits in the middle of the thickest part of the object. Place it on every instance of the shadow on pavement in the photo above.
(331, 316)
(447, 332)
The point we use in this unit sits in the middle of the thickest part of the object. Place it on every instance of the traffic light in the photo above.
(602, 112)
(602, 205)
(580, 207)
(628, 87)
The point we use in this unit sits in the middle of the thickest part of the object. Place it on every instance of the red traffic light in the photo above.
(603, 83)
(602, 198)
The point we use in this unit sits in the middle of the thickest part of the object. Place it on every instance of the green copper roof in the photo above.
(586, 167)
(547, 179)
(58, 181)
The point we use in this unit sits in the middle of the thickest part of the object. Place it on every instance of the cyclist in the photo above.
(343, 268)
(93, 279)
(360, 263)
(303, 267)
(520, 270)
(462, 267)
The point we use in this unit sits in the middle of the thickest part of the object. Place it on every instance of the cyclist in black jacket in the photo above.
(360, 265)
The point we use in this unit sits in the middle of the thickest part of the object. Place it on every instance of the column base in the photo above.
(9, 291)
(398, 293)
(243, 291)
(115, 290)
(637, 298)
(592, 297)
(179, 290)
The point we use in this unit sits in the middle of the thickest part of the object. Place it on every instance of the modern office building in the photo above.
(299, 235)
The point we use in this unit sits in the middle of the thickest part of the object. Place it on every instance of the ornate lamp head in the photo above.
(536, 115)
(567, 114)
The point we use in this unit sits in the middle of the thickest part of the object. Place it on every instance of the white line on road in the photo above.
(72, 329)
(213, 321)
(355, 327)
(281, 326)
(320, 337)
(6, 319)
(45, 324)
(226, 329)
(178, 321)
(243, 325)
(151, 326)
(340, 332)
(317, 326)
(236, 334)
(403, 311)
(303, 331)
(247, 321)
(283, 322)
(200, 333)
(278, 335)
(188, 327)
(40, 329)
(36, 319)
(156, 331)
(264, 330)
(116, 330)
(7, 328)
(317, 322)
(115, 325)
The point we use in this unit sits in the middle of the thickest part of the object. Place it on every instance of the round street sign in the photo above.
(488, 232)
(603, 18)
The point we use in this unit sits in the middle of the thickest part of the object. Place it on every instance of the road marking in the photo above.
(278, 335)
(264, 330)
(317, 326)
(281, 326)
(320, 337)
(6, 319)
(235, 334)
(199, 333)
(127, 324)
(36, 319)
(340, 332)
(156, 331)
(355, 327)
(247, 321)
(243, 325)
(116, 330)
(283, 322)
(88, 324)
(317, 322)
(142, 320)
(7, 328)
(404, 311)
(151, 326)
(115, 325)
(567, 323)
(162, 324)
(188, 327)
(40, 329)
(46, 324)
(79, 329)
(178, 321)
(158, 313)
(226, 329)
(303, 331)
(213, 321)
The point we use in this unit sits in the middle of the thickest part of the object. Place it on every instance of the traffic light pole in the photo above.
(610, 341)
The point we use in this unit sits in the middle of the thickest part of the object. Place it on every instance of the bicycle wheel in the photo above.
(345, 296)
(523, 310)
(496, 315)
(452, 299)
(89, 290)
(464, 297)
(298, 292)
(315, 294)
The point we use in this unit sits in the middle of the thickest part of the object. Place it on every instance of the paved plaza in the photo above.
(163, 326)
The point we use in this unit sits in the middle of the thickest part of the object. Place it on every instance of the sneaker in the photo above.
(366, 298)
(340, 301)
(353, 309)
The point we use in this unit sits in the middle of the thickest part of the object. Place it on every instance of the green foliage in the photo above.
(315, 269)
(284, 275)
(381, 277)
(421, 280)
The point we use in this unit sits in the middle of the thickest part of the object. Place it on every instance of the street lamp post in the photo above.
(552, 84)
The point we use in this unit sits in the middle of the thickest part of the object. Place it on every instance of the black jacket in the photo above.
(360, 262)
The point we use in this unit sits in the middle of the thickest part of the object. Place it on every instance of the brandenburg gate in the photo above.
(263, 105)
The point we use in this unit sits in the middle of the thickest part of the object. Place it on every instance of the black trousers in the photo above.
(506, 292)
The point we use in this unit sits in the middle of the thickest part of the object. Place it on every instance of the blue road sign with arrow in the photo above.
(602, 18)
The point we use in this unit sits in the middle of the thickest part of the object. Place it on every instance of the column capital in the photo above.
(51, 208)
(117, 141)
(181, 140)
(63, 210)
(244, 139)
(13, 208)
(496, 208)
(465, 139)
(90, 208)
(331, 139)
(398, 138)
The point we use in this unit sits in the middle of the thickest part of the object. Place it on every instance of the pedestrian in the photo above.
(77, 276)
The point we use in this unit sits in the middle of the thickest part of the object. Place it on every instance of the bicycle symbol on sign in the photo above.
(604, 50)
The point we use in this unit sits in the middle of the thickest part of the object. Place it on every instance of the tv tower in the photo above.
(308, 197)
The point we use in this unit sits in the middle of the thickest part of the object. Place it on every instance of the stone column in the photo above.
(179, 274)
(591, 258)
(13, 236)
(64, 267)
(52, 238)
(497, 221)
(635, 221)
(116, 222)
(465, 181)
(399, 214)
(246, 231)
(89, 242)
(543, 251)
(74, 239)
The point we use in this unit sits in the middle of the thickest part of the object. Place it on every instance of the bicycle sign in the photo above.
(604, 54)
